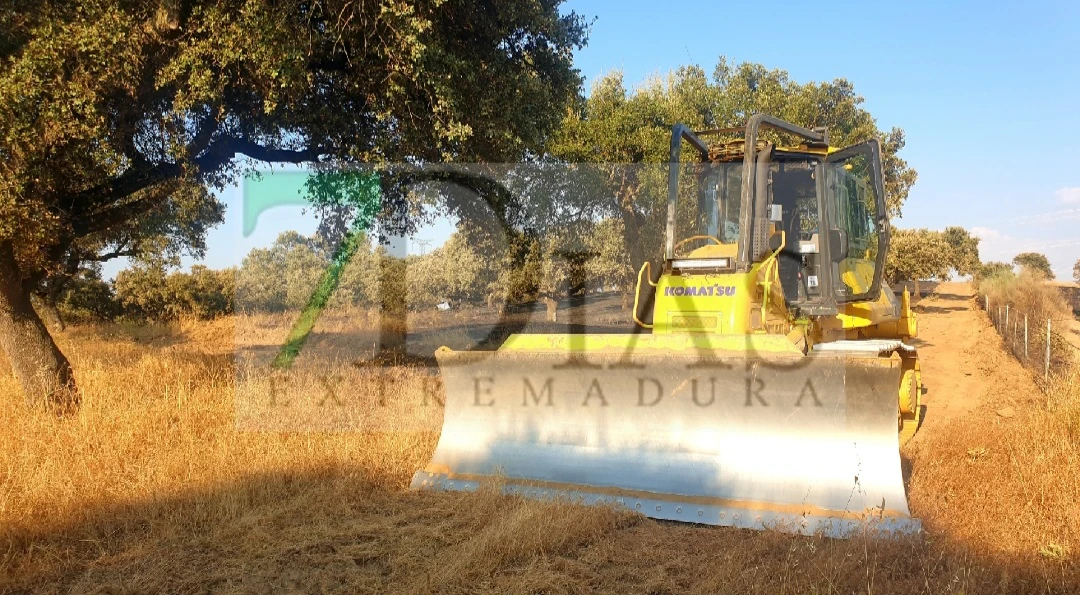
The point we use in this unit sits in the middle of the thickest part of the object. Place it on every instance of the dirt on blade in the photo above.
(153, 487)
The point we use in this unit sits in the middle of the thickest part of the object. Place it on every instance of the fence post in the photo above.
(1006, 319)
(1047, 374)
(1025, 339)
(987, 304)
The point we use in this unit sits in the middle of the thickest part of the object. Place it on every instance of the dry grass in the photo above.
(1027, 293)
(155, 487)
(1030, 295)
(1003, 480)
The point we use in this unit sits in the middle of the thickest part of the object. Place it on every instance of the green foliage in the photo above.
(964, 250)
(88, 297)
(146, 290)
(143, 290)
(611, 267)
(518, 270)
(177, 226)
(203, 292)
(455, 272)
(286, 275)
(614, 126)
(110, 112)
(1035, 263)
(543, 271)
(923, 254)
(989, 270)
(918, 254)
(282, 276)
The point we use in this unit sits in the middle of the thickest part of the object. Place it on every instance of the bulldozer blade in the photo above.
(746, 432)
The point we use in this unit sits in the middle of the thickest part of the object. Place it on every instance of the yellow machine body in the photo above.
(728, 303)
(738, 400)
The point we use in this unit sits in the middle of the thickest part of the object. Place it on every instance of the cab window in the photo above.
(855, 202)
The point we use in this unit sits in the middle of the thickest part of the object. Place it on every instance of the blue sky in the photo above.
(989, 97)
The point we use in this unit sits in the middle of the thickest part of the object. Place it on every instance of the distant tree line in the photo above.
(145, 291)
(519, 269)
(923, 254)
(1034, 264)
(283, 276)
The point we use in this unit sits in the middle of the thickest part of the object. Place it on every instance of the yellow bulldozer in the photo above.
(768, 383)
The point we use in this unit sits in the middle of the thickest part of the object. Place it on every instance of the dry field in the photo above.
(179, 475)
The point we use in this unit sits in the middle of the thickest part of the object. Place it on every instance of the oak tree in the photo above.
(1034, 262)
(963, 250)
(176, 226)
(993, 269)
(917, 255)
(107, 106)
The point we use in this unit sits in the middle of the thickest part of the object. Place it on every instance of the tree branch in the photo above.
(119, 252)
(141, 175)
(127, 184)
(225, 148)
(216, 155)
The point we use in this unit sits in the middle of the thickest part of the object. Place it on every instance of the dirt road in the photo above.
(951, 344)
(964, 366)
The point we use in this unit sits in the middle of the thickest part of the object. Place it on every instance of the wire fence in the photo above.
(1037, 342)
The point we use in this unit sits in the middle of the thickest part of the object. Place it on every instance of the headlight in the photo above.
(701, 263)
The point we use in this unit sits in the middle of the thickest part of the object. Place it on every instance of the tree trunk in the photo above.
(632, 224)
(43, 371)
(552, 308)
(51, 313)
(918, 293)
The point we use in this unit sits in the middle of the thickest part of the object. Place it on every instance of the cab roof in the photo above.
(734, 150)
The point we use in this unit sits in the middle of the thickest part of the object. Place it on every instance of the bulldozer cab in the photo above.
(819, 211)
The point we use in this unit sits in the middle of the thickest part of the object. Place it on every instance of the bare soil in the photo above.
(951, 344)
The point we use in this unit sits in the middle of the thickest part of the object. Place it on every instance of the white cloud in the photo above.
(997, 246)
(1069, 196)
(1051, 217)
(985, 233)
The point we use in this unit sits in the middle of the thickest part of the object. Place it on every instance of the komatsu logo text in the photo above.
(708, 290)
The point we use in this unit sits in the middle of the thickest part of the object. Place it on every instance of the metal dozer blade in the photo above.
(741, 431)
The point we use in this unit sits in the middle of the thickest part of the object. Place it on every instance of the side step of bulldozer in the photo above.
(742, 431)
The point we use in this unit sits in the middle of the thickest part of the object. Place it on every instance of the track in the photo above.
(950, 349)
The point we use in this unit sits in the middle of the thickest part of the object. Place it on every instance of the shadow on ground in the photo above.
(337, 530)
(938, 309)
